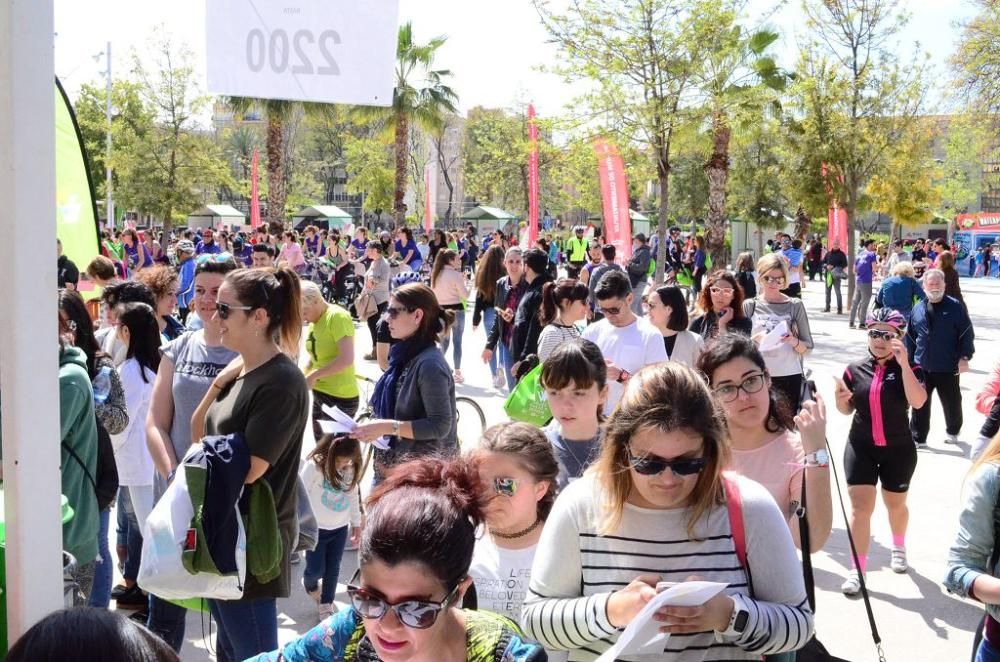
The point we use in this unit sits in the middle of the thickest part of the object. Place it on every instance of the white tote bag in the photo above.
(161, 570)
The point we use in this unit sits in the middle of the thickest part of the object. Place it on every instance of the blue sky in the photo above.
(493, 46)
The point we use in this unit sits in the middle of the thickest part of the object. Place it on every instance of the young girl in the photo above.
(518, 470)
(574, 377)
(564, 303)
(331, 475)
(139, 331)
(653, 508)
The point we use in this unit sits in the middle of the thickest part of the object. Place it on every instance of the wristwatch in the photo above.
(738, 621)
(820, 458)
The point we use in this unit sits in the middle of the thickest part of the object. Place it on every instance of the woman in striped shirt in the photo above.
(630, 523)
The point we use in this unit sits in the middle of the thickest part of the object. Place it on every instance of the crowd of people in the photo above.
(684, 435)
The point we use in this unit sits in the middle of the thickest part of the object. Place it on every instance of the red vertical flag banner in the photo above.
(614, 192)
(430, 200)
(836, 229)
(254, 193)
(532, 177)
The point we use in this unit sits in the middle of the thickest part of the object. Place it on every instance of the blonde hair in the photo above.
(904, 269)
(666, 397)
(770, 262)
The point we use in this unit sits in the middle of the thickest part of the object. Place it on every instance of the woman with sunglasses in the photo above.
(765, 445)
(414, 400)
(416, 550)
(767, 312)
(187, 367)
(518, 470)
(721, 307)
(259, 313)
(667, 311)
(653, 509)
(879, 390)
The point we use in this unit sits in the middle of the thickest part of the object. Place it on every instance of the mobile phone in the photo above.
(809, 389)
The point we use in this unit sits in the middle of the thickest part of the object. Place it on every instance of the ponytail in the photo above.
(441, 260)
(549, 308)
(555, 293)
(426, 511)
(277, 292)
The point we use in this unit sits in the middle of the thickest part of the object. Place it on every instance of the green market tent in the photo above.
(640, 222)
(488, 219)
(215, 216)
(322, 216)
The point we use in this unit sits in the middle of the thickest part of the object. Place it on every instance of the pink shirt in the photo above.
(777, 465)
(293, 254)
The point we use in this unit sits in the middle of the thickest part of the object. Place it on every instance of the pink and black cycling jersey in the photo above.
(881, 410)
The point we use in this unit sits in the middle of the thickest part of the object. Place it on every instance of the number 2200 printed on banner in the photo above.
(334, 51)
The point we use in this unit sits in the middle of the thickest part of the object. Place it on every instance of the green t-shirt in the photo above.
(321, 342)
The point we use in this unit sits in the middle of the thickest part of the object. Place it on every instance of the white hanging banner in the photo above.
(331, 51)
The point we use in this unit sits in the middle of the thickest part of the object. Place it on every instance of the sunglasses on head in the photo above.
(224, 310)
(416, 614)
(392, 312)
(876, 334)
(653, 465)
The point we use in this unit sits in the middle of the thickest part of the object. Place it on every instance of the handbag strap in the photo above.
(734, 507)
(806, 546)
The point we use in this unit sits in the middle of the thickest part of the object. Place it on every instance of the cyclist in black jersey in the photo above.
(879, 390)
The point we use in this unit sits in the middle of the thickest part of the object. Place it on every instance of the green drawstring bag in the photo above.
(829, 278)
(708, 262)
(527, 402)
(685, 278)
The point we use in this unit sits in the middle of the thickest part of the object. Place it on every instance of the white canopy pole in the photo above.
(29, 322)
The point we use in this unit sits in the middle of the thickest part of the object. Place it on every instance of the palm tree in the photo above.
(738, 75)
(277, 112)
(426, 102)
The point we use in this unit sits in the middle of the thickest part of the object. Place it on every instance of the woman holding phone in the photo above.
(653, 508)
(721, 306)
(879, 390)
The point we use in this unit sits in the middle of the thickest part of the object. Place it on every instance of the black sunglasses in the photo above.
(652, 465)
(392, 312)
(416, 614)
(880, 335)
(224, 310)
(616, 310)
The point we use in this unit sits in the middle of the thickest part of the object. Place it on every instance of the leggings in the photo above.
(373, 320)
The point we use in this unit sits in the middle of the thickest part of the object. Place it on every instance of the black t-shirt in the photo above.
(66, 272)
(881, 410)
(707, 325)
(382, 334)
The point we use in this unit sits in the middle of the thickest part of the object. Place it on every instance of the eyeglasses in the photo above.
(653, 465)
(721, 290)
(875, 334)
(224, 310)
(392, 312)
(416, 614)
(505, 486)
(610, 311)
(773, 279)
(752, 384)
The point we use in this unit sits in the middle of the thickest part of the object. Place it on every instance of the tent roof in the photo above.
(488, 213)
(322, 211)
(218, 210)
(633, 214)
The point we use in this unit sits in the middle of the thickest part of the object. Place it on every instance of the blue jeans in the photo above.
(132, 535)
(324, 563)
(166, 620)
(104, 572)
(987, 652)
(246, 628)
(456, 339)
(489, 317)
(507, 360)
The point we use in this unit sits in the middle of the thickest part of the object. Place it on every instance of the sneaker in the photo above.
(326, 610)
(497, 381)
(118, 591)
(921, 445)
(898, 560)
(851, 585)
(132, 597)
(851, 325)
(826, 310)
(370, 356)
(951, 439)
(314, 594)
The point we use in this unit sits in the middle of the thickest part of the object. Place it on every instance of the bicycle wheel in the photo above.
(470, 421)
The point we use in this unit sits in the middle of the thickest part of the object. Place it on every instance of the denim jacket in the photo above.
(969, 555)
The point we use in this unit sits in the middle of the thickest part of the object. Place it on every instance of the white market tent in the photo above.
(322, 216)
(215, 216)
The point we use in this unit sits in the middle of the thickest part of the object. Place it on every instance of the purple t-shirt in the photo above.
(864, 266)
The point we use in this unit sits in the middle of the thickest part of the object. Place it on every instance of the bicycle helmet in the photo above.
(887, 316)
(404, 278)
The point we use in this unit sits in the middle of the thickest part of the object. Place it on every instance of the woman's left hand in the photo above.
(714, 615)
(372, 430)
(811, 422)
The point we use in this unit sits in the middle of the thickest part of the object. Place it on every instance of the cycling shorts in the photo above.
(893, 466)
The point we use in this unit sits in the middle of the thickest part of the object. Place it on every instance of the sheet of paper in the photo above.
(643, 636)
(772, 340)
(344, 424)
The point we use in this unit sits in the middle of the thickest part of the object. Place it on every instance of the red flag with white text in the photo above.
(254, 193)
(614, 193)
(532, 177)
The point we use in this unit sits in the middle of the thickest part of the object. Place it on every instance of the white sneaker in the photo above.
(851, 585)
(898, 560)
(326, 610)
(951, 439)
(315, 593)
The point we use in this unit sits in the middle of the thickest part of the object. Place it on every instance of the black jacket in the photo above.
(527, 326)
(500, 301)
(638, 266)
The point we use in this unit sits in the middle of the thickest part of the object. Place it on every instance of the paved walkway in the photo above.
(917, 619)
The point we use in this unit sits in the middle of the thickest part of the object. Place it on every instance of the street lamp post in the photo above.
(109, 207)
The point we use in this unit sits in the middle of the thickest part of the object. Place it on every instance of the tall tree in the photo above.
(906, 189)
(447, 159)
(370, 173)
(739, 79)
(640, 57)
(857, 99)
(976, 62)
(966, 144)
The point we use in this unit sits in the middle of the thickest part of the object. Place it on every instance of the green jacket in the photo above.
(78, 434)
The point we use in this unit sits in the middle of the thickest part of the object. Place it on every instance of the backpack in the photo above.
(106, 484)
